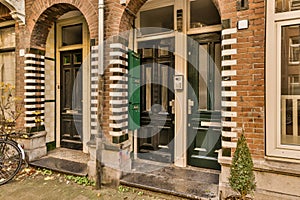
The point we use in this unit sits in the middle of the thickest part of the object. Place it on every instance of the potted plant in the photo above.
(242, 179)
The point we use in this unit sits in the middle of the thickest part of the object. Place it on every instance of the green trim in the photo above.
(119, 139)
(51, 146)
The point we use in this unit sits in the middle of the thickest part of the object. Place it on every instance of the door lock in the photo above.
(190, 105)
(172, 104)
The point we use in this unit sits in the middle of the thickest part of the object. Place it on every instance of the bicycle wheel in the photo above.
(10, 160)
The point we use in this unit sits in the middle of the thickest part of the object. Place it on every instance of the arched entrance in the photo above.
(61, 36)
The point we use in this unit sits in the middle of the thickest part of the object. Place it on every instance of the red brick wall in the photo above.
(250, 71)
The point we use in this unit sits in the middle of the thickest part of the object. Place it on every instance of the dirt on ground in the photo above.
(37, 184)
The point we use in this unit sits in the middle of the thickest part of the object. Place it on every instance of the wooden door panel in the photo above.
(157, 128)
(204, 131)
(71, 100)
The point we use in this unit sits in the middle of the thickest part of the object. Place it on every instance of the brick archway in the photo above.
(44, 14)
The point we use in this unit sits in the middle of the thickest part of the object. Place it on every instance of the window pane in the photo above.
(157, 20)
(7, 37)
(287, 5)
(203, 13)
(290, 85)
(203, 69)
(72, 35)
(217, 76)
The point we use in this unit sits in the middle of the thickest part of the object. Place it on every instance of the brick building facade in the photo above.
(225, 67)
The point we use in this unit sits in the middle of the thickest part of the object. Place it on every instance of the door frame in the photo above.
(85, 75)
(181, 96)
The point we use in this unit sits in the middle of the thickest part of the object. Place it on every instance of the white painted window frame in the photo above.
(274, 22)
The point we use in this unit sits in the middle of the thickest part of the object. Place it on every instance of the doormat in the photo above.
(61, 165)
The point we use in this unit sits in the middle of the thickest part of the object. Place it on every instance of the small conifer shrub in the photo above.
(242, 179)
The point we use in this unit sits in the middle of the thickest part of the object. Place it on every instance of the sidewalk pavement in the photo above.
(40, 184)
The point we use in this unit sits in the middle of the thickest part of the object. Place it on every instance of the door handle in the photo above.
(172, 104)
(190, 105)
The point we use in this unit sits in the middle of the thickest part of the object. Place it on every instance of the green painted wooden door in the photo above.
(204, 100)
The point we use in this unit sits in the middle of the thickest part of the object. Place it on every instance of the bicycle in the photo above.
(12, 156)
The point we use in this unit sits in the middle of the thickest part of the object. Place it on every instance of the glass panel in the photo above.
(148, 88)
(7, 37)
(72, 34)
(164, 87)
(67, 60)
(217, 76)
(157, 20)
(290, 85)
(77, 58)
(203, 69)
(203, 13)
(7, 67)
(287, 5)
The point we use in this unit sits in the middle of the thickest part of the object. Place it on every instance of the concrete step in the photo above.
(186, 182)
(61, 165)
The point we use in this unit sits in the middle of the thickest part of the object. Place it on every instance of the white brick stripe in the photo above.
(116, 133)
(35, 106)
(34, 62)
(33, 87)
(118, 94)
(229, 73)
(118, 86)
(34, 81)
(118, 78)
(118, 53)
(229, 41)
(120, 70)
(117, 61)
(228, 52)
(229, 83)
(229, 124)
(229, 103)
(118, 46)
(118, 117)
(30, 55)
(118, 125)
(229, 114)
(33, 112)
(118, 102)
(226, 144)
(119, 110)
(228, 62)
(229, 134)
(229, 93)
(229, 31)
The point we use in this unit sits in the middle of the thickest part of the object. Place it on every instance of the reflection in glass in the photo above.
(203, 69)
(287, 5)
(148, 88)
(157, 20)
(203, 13)
(164, 87)
(72, 34)
(290, 85)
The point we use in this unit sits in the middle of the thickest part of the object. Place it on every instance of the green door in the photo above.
(204, 116)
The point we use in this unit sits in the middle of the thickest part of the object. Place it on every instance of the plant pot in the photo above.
(34, 145)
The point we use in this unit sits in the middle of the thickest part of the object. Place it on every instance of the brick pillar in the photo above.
(34, 90)
(228, 126)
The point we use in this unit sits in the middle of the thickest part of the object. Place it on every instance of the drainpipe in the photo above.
(100, 88)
